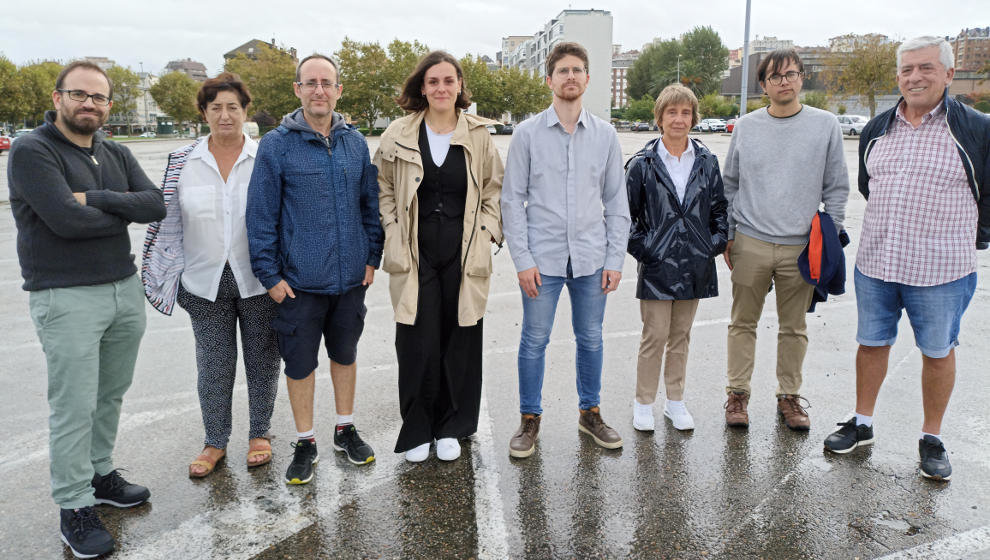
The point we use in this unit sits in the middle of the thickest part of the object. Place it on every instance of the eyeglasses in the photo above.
(310, 87)
(777, 79)
(81, 96)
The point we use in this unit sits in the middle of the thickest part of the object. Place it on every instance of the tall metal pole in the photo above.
(678, 68)
(744, 83)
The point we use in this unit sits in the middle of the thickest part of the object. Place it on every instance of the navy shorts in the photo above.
(303, 320)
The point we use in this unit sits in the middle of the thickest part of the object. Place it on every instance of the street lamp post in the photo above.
(144, 89)
(744, 83)
(678, 67)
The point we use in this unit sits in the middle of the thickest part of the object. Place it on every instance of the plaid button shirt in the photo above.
(919, 227)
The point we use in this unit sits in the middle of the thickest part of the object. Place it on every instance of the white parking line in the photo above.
(488, 515)
(960, 545)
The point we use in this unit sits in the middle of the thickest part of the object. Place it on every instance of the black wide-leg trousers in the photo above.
(439, 361)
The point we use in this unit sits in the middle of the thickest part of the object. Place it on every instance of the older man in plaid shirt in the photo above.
(923, 166)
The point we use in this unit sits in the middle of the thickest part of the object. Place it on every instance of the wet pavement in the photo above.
(714, 493)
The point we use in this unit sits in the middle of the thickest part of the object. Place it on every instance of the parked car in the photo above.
(20, 132)
(852, 124)
(4, 143)
(148, 134)
(716, 125)
(491, 129)
(702, 126)
(730, 124)
(640, 127)
(504, 128)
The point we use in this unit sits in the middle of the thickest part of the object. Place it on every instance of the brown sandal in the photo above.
(204, 460)
(261, 447)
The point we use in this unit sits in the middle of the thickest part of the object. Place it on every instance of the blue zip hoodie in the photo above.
(312, 208)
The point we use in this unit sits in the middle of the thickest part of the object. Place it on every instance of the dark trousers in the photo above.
(439, 361)
(214, 325)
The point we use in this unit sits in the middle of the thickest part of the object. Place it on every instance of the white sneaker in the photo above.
(419, 453)
(643, 417)
(448, 449)
(679, 415)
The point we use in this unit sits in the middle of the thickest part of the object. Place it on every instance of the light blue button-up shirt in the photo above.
(564, 197)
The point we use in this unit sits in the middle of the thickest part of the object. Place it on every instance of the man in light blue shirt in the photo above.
(566, 218)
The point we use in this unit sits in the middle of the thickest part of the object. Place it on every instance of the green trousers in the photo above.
(90, 335)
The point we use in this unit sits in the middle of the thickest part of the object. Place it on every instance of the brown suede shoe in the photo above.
(735, 410)
(592, 424)
(795, 417)
(523, 442)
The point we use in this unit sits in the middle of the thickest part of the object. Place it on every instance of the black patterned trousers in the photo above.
(214, 325)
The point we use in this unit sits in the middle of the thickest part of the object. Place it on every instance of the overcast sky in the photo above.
(135, 31)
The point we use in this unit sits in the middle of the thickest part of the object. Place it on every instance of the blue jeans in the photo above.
(587, 313)
(934, 312)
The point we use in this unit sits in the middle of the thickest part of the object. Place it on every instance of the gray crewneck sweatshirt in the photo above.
(779, 171)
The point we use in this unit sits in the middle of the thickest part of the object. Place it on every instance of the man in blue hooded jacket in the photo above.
(315, 241)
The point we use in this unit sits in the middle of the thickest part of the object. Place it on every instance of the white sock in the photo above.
(675, 403)
(305, 435)
(936, 436)
(864, 420)
(343, 419)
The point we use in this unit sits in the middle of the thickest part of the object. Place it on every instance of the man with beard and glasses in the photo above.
(73, 194)
(566, 217)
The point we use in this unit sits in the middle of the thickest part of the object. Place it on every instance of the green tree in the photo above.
(368, 89)
(867, 70)
(37, 81)
(403, 57)
(758, 103)
(175, 93)
(13, 104)
(702, 57)
(715, 105)
(815, 98)
(640, 109)
(487, 88)
(269, 78)
(126, 90)
(525, 91)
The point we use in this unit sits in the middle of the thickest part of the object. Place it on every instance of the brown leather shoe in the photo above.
(795, 417)
(735, 410)
(523, 442)
(592, 424)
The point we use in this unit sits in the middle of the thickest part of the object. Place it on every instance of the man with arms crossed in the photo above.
(73, 193)
(924, 167)
(566, 218)
(784, 161)
(315, 241)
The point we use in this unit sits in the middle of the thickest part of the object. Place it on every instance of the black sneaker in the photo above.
(304, 458)
(849, 436)
(934, 459)
(346, 439)
(84, 534)
(112, 489)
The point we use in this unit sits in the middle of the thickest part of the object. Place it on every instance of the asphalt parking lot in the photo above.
(714, 493)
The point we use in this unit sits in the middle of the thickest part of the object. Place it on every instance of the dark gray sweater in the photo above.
(60, 242)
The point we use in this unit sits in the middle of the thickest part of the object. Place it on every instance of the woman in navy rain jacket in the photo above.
(678, 227)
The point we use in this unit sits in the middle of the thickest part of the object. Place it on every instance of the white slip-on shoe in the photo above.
(448, 449)
(419, 453)
(643, 417)
(679, 415)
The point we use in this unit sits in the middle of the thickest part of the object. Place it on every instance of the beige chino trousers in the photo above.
(755, 264)
(666, 324)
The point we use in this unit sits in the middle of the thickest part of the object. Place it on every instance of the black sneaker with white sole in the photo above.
(304, 459)
(112, 489)
(84, 533)
(934, 459)
(849, 436)
(347, 440)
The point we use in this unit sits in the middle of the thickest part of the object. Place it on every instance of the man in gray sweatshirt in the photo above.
(784, 162)
(73, 195)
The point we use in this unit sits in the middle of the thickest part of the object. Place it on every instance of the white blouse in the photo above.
(679, 169)
(214, 231)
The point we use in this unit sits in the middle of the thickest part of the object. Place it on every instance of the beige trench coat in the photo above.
(400, 171)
